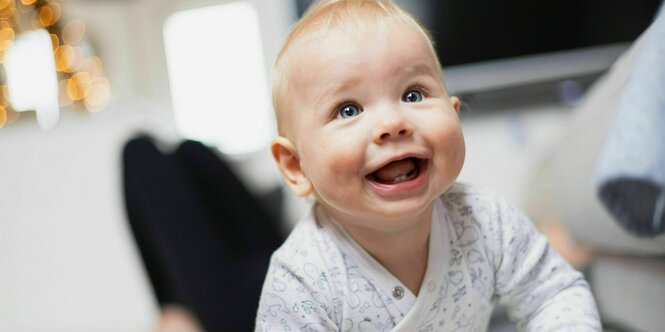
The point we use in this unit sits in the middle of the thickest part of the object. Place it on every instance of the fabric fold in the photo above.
(630, 173)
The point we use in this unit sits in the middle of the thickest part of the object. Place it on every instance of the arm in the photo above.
(541, 290)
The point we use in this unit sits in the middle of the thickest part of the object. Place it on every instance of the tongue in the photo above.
(395, 169)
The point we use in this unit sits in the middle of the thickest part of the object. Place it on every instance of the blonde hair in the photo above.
(325, 15)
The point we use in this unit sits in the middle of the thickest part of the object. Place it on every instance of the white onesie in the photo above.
(481, 249)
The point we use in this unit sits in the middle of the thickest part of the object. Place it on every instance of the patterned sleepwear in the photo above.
(481, 250)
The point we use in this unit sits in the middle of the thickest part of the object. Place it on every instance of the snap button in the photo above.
(431, 286)
(398, 292)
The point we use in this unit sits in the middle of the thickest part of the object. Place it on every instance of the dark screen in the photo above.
(467, 31)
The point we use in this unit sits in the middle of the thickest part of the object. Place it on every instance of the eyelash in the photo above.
(335, 112)
(418, 88)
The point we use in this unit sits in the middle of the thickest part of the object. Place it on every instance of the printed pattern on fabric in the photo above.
(482, 250)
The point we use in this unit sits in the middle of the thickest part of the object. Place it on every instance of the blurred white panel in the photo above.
(217, 76)
(68, 260)
(31, 77)
(503, 149)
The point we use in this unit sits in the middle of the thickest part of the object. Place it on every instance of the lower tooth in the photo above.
(399, 178)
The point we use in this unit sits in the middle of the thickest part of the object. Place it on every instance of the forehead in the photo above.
(376, 48)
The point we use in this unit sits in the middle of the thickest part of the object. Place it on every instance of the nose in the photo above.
(392, 127)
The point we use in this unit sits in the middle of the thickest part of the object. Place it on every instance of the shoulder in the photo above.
(307, 245)
(469, 198)
(298, 289)
(468, 205)
(471, 204)
(481, 218)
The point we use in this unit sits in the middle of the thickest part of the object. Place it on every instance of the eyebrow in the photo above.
(417, 68)
(338, 88)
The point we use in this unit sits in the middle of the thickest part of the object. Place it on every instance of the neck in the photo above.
(402, 252)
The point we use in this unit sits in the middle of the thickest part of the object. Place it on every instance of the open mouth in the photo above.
(397, 171)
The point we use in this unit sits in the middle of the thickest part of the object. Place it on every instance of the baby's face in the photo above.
(377, 135)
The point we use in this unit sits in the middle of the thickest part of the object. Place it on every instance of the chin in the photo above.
(405, 208)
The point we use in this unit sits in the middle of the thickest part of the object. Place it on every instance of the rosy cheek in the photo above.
(344, 159)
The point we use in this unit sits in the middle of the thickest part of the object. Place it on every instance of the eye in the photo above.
(348, 111)
(412, 96)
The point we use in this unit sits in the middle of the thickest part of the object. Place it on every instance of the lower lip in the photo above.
(402, 188)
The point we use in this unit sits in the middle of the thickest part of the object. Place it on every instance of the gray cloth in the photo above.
(630, 173)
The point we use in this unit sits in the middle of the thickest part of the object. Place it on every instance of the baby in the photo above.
(392, 242)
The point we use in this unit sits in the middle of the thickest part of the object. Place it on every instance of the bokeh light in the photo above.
(83, 84)
(55, 41)
(73, 32)
(79, 85)
(98, 96)
(6, 38)
(93, 66)
(5, 3)
(3, 116)
(49, 14)
(66, 58)
(8, 10)
(4, 95)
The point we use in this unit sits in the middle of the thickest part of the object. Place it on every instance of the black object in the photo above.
(470, 31)
(205, 240)
(636, 204)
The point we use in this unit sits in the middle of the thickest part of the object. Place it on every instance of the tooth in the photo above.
(399, 178)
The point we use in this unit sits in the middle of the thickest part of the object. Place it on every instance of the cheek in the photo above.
(336, 158)
(449, 141)
(345, 162)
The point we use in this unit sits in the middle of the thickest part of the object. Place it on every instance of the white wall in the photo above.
(67, 258)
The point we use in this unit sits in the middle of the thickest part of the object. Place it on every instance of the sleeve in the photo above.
(295, 297)
(541, 290)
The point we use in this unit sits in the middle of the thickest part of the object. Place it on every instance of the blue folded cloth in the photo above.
(630, 173)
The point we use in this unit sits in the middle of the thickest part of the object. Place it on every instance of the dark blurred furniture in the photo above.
(205, 240)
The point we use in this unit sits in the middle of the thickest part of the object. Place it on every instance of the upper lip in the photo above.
(396, 157)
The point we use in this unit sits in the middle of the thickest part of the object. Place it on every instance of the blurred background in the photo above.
(82, 81)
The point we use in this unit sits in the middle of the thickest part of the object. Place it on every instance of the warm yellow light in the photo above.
(28, 2)
(73, 32)
(78, 86)
(49, 14)
(5, 3)
(3, 116)
(55, 41)
(8, 11)
(65, 58)
(6, 38)
(57, 10)
(93, 66)
(46, 16)
(4, 95)
(98, 96)
(5, 24)
(63, 96)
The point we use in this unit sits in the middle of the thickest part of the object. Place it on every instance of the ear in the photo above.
(456, 103)
(287, 160)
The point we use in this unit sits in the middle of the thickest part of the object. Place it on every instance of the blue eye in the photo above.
(348, 111)
(412, 96)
